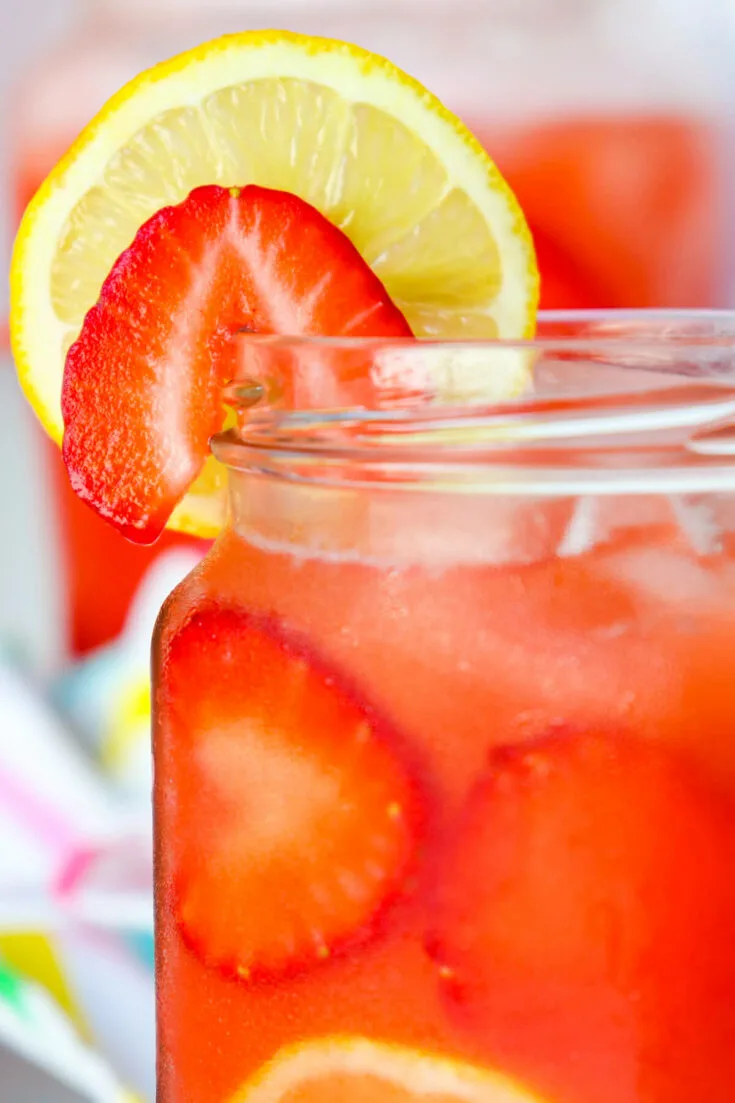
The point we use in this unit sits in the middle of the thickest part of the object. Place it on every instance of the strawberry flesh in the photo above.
(584, 922)
(291, 819)
(142, 386)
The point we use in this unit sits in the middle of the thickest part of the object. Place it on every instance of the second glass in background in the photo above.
(607, 117)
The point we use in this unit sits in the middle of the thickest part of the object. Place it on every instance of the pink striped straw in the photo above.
(41, 820)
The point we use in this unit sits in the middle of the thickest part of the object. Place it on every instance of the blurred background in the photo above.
(614, 122)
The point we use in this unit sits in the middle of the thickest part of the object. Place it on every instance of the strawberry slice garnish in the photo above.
(290, 820)
(584, 921)
(142, 383)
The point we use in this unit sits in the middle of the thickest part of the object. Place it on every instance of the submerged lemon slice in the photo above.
(345, 130)
(358, 1070)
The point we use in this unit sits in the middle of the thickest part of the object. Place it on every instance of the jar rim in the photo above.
(620, 401)
(612, 328)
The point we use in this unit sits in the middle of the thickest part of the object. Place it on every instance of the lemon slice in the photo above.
(358, 1070)
(345, 130)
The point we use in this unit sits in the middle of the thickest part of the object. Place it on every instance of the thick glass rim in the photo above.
(612, 329)
(611, 402)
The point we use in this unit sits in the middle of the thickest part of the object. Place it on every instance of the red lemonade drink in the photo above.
(613, 201)
(444, 772)
(479, 706)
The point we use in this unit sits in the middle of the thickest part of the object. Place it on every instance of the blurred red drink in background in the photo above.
(605, 117)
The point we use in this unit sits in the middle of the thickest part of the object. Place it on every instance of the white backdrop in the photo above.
(29, 595)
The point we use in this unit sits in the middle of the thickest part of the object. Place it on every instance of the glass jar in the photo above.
(609, 118)
(444, 755)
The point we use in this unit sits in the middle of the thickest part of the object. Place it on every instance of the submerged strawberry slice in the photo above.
(142, 384)
(290, 819)
(585, 917)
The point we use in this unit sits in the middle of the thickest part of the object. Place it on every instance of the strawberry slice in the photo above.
(290, 821)
(142, 384)
(584, 922)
